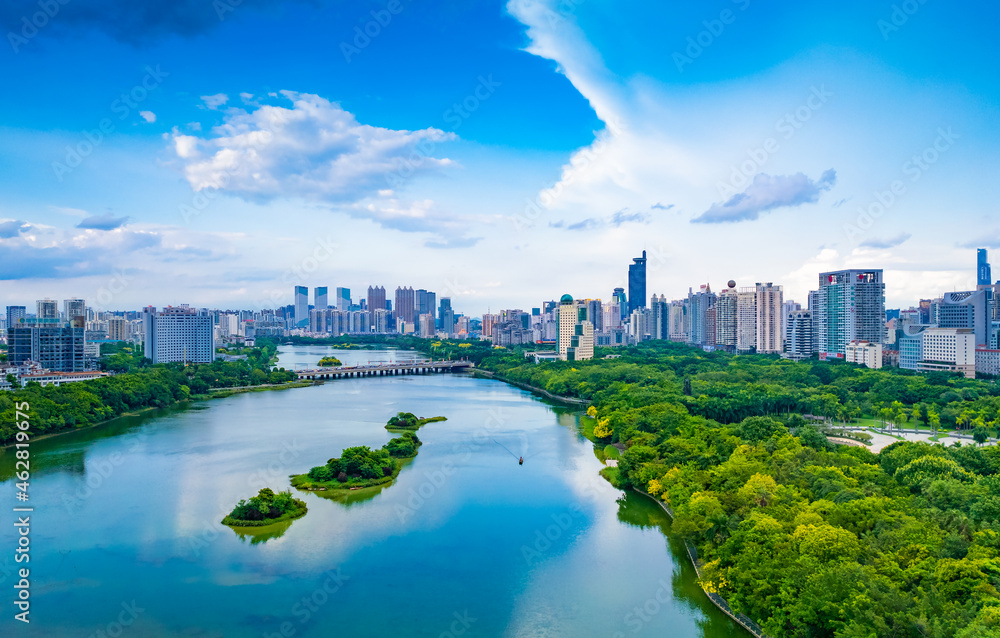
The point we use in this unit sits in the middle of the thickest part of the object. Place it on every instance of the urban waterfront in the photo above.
(126, 532)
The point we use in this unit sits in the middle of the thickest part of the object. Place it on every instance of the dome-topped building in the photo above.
(566, 299)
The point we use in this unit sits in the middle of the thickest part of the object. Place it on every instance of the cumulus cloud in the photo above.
(215, 101)
(659, 206)
(51, 253)
(768, 192)
(102, 222)
(891, 242)
(149, 116)
(314, 150)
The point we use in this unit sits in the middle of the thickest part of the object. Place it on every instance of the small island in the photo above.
(361, 467)
(329, 362)
(267, 508)
(409, 422)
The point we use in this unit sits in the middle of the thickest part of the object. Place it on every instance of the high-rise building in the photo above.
(74, 308)
(118, 329)
(698, 304)
(426, 327)
(576, 333)
(659, 317)
(447, 315)
(770, 302)
(637, 283)
(405, 304)
(179, 335)
(425, 302)
(799, 335)
(983, 275)
(56, 345)
(850, 306)
(746, 319)
(618, 296)
(343, 299)
(726, 320)
(376, 298)
(321, 298)
(968, 309)
(46, 309)
(301, 305)
(678, 320)
(15, 314)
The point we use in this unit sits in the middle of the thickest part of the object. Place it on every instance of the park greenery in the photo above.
(135, 385)
(329, 361)
(409, 421)
(361, 466)
(267, 508)
(808, 538)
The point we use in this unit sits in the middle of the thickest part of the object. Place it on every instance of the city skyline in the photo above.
(692, 140)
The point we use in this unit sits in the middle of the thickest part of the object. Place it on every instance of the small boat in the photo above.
(520, 461)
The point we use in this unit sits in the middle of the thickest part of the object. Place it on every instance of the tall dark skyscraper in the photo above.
(637, 283)
(983, 275)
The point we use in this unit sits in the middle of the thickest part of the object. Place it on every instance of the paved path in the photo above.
(880, 441)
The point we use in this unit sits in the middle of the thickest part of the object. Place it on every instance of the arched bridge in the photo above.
(384, 369)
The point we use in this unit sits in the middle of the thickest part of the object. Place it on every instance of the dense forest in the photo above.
(808, 538)
(136, 385)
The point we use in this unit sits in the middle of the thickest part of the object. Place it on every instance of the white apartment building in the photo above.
(949, 350)
(769, 308)
(864, 353)
(178, 335)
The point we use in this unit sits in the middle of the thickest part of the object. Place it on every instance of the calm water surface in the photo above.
(465, 543)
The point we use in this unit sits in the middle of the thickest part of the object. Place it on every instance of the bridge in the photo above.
(384, 369)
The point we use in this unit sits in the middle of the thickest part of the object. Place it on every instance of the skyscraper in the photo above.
(576, 333)
(726, 320)
(447, 316)
(746, 319)
(637, 283)
(425, 303)
(770, 301)
(376, 298)
(405, 304)
(850, 306)
(321, 298)
(301, 305)
(983, 275)
(343, 299)
(699, 303)
(74, 308)
(46, 309)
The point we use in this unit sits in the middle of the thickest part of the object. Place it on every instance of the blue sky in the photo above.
(501, 153)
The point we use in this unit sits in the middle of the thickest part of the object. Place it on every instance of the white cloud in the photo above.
(314, 150)
(447, 230)
(149, 116)
(215, 101)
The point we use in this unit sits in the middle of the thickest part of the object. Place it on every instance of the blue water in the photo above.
(126, 535)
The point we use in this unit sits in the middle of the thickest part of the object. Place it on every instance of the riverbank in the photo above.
(530, 388)
(717, 600)
(215, 393)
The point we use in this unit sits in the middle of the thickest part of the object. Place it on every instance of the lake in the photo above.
(126, 537)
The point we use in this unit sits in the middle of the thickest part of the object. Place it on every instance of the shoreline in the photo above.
(219, 393)
(716, 599)
(530, 388)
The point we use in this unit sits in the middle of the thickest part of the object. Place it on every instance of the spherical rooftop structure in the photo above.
(732, 283)
(566, 299)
